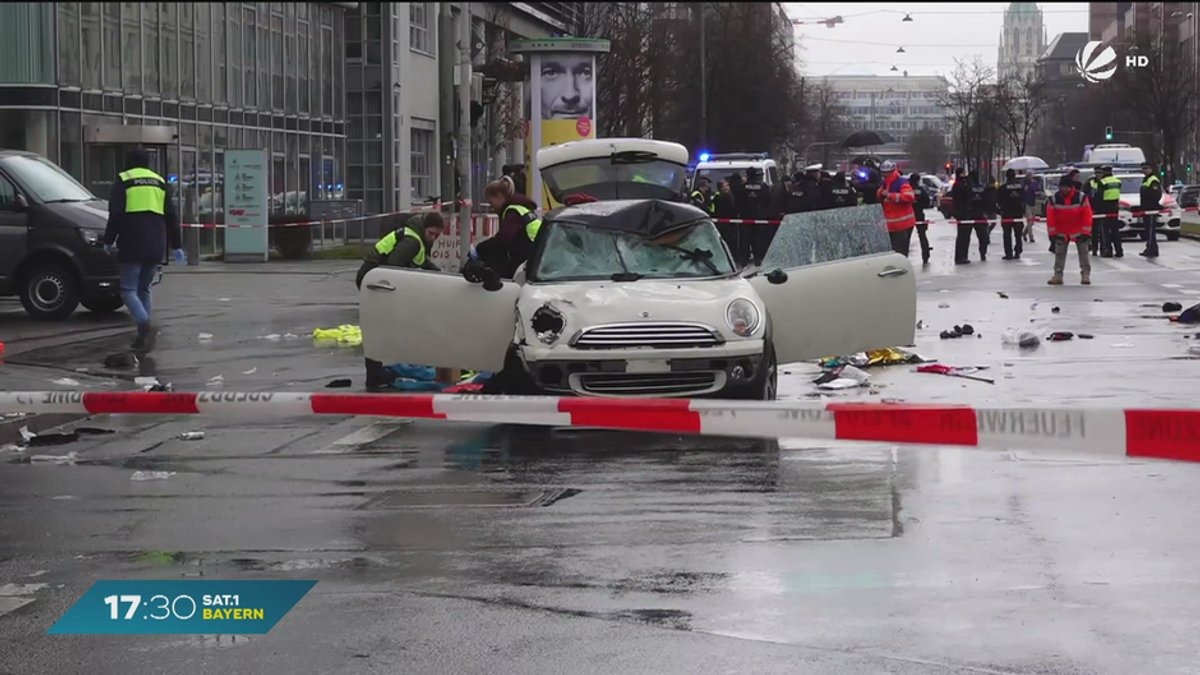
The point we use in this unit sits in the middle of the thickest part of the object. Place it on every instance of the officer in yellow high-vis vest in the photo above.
(408, 246)
(513, 243)
(701, 197)
(142, 221)
(1108, 201)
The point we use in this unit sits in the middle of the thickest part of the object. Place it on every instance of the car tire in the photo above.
(1173, 236)
(770, 386)
(49, 291)
(102, 306)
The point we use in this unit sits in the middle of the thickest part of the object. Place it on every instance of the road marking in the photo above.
(364, 436)
(1172, 285)
(1188, 291)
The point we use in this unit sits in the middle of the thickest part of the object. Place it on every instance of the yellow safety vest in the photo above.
(698, 195)
(388, 243)
(145, 191)
(1112, 189)
(532, 223)
(1150, 181)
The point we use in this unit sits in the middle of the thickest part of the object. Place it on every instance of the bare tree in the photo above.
(502, 77)
(1018, 107)
(1163, 95)
(966, 102)
(830, 121)
(927, 149)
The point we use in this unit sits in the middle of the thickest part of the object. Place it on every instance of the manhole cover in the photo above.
(405, 500)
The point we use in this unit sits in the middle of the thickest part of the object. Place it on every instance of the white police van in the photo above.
(717, 168)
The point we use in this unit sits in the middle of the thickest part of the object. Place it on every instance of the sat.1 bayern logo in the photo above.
(1096, 67)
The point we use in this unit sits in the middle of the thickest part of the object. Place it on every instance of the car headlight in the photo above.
(743, 317)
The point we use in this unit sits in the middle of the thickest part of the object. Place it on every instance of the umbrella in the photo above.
(867, 138)
(1025, 164)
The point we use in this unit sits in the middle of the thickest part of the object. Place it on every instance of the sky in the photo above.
(866, 43)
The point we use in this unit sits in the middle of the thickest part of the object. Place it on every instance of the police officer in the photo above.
(701, 197)
(512, 245)
(141, 221)
(1011, 200)
(1107, 201)
(1150, 199)
(981, 205)
(407, 246)
(922, 202)
(754, 204)
(806, 193)
(841, 193)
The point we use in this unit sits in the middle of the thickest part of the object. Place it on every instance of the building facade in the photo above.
(1022, 41)
(81, 83)
(899, 105)
(391, 56)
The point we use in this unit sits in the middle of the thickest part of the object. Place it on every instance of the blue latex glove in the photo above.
(180, 257)
(474, 255)
(110, 249)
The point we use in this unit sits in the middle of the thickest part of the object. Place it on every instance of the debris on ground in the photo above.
(957, 332)
(1086, 336)
(142, 476)
(967, 373)
(1025, 339)
(843, 377)
(1189, 316)
(944, 305)
(1002, 294)
(94, 431)
(50, 438)
(891, 356)
(192, 436)
(413, 377)
(345, 335)
(204, 337)
(340, 383)
(1122, 345)
(145, 381)
(217, 381)
(1060, 336)
(1171, 307)
(272, 337)
(290, 336)
(61, 460)
(1055, 310)
(65, 382)
(11, 447)
(159, 388)
(920, 324)
(251, 371)
(120, 361)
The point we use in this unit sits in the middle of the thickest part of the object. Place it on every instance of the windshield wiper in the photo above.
(625, 276)
(696, 255)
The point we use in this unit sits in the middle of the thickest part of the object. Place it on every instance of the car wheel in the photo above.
(770, 388)
(1173, 236)
(105, 305)
(49, 292)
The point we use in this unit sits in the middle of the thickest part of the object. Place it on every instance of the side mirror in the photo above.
(777, 276)
(21, 203)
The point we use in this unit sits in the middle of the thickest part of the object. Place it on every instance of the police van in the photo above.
(717, 168)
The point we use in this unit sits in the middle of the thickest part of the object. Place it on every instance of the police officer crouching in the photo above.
(407, 246)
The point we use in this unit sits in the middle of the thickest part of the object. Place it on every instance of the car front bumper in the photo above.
(645, 373)
(101, 273)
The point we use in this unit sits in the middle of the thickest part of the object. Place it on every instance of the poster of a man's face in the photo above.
(567, 88)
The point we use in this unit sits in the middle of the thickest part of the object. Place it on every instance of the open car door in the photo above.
(435, 319)
(833, 286)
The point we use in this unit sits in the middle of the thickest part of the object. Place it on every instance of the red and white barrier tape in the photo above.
(991, 221)
(312, 223)
(1158, 434)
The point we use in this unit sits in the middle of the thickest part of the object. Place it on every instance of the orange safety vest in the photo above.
(897, 197)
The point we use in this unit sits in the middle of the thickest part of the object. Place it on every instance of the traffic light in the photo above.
(1108, 133)
(1189, 168)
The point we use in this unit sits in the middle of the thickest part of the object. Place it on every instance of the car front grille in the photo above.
(652, 335)
(648, 384)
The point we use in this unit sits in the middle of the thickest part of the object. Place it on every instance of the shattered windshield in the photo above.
(578, 253)
(824, 236)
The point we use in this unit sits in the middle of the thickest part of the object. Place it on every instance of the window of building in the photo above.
(264, 60)
(289, 61)
(419, 14)
(131, 48)
(112, 45)
(187, 51)
(354, 38)
(69, 63)
(302, 65)
(328, 62)
(150, 47)
(314, 70)
(277, 63)
(90, 23)
(250, 79)
(168, 27)
(204, 69)
(421, 161)
(235, 56)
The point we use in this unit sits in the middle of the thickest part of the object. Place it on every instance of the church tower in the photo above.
(1022, 40)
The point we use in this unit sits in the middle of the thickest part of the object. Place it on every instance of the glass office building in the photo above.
(81, 82)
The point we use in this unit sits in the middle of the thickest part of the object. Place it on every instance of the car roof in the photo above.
(17, 153)
(606, 147)
(644, 217)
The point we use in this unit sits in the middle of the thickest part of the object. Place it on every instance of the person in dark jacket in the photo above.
(723, 207)
(806, 193)
(982, 205)
(1011, 203)
(780, 194)
(826, 183)
(754, 204)
(512, 245)
(841, 192)
(1150, 199)
(142, 221)
(1030, 197)
(701, 197)
(407, 246)
(961, 196)
(923, 201)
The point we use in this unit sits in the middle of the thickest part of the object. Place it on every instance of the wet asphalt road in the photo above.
(472, 548)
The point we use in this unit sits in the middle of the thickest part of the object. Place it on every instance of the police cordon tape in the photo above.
(986, 221)
(1114, 432)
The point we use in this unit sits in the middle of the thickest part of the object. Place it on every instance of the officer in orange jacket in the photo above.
(897, 197)
(1069, 218)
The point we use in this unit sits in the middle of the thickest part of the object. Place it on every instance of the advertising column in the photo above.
(246, 206)
(560, 100)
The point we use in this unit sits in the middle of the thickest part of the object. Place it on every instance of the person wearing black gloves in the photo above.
(519, 226)
(754, 204)
(922, 202)
(1011, 200)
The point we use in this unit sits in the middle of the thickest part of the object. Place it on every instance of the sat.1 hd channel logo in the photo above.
(1096, 67)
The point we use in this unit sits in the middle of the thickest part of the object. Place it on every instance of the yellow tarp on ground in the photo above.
(345, 335)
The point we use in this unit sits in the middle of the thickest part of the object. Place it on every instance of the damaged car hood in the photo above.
(594, 303)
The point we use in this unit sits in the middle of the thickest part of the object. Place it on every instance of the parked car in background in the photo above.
(1131, 226)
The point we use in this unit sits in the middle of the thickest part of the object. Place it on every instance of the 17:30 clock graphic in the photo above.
(191, 607)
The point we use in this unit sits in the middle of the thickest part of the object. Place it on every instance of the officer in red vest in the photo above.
(897, 197)
(1069, 218)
